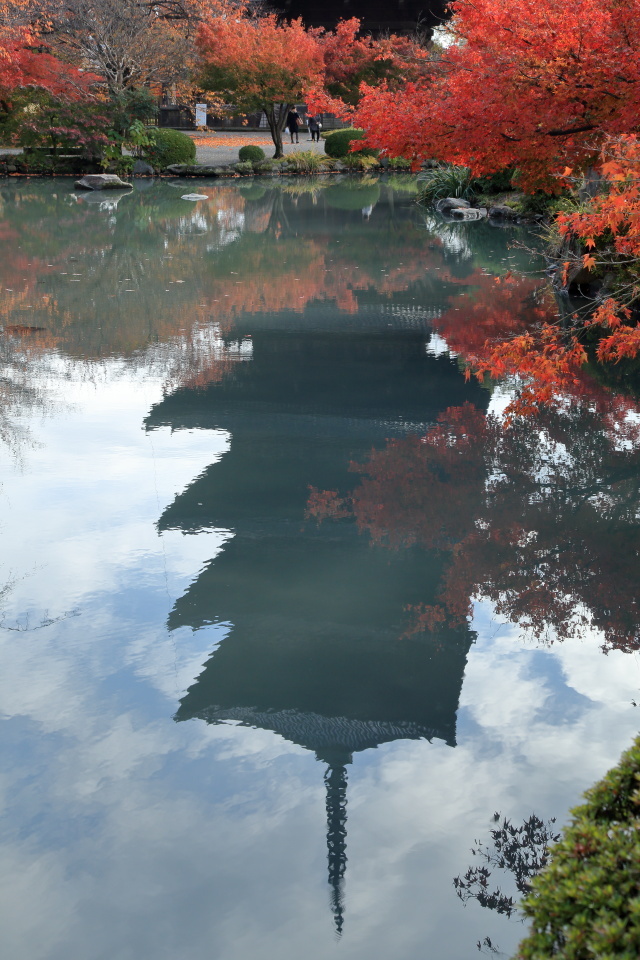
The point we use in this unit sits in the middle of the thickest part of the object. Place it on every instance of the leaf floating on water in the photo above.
(195, 196)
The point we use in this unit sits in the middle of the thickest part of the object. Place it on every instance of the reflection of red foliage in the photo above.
(544, 522)
(505, 327)
(495, 309)
(430, 505)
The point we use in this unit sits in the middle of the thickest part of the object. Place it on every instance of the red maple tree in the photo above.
(260, 64)
(526, 83)
(25, 61)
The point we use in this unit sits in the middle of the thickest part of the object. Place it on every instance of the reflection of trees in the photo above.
(491, 311)
(520, 851)
(109, 280)
(22, 347)
(543, 522)
(163, 282)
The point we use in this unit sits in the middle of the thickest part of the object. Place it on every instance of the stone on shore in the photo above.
(142, 169)
(447, 204)
(469, 213)
(500, 211)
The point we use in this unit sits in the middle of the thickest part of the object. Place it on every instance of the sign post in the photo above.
(201, 115)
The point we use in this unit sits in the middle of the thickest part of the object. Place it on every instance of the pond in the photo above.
(292, 619)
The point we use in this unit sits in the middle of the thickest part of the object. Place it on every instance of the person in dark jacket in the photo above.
(293, 124)
(315, 126)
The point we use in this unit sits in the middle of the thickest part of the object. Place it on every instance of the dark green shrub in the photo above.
(167, 147)
(586, 903)
(498, 182)
(338, 143)
(251, 152)
(129, 106)
(537, 204)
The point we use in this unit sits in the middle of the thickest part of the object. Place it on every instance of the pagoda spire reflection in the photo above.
(335, 780)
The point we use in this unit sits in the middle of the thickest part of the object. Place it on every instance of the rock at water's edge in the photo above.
(451, 203)
(101, 181)
(469, 213)
(502, 212)
(142, 169)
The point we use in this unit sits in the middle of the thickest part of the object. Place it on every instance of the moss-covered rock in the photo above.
(267, 167)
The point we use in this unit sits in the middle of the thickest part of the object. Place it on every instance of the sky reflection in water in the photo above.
(176, 377)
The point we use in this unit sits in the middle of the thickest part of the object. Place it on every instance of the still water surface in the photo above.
(226, 731)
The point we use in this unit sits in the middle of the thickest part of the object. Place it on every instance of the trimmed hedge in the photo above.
(251, 152)
(585, 905)
(169, 146)
(337, 144)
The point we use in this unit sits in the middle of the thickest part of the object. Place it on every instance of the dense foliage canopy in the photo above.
(525, 83)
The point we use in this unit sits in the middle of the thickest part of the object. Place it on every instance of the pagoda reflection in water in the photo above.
(336, 698)
(316, 652)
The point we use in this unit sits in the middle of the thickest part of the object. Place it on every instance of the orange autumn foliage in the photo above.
(267, 64)
(608, 228)
(259, 64)
(24, 61)
(526, 83)
(351, 59)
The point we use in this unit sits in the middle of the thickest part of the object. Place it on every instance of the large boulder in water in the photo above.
(101, 181)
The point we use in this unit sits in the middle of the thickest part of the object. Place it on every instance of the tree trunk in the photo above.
(277, 118)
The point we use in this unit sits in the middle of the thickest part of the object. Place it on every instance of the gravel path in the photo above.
(221, 148)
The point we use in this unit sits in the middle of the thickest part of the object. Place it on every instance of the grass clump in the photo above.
(251, 152)
(399, 163)
(357, 161)
(305, 161)
(445, 180)
(585, 905)
(168, 147)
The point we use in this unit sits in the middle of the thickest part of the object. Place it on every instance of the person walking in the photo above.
(315, 126)
(293, 124)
